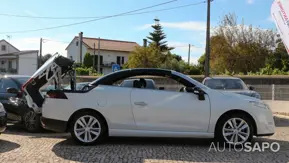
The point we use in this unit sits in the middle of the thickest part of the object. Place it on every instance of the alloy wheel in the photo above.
(236, 131)
(87, 128)
(30, 120)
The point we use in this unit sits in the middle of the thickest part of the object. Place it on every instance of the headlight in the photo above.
(260, 104)
(256, 95)
(2, 108)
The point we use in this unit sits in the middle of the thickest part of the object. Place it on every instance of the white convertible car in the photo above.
(104, 109)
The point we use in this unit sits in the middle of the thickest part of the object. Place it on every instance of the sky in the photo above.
(183, 26)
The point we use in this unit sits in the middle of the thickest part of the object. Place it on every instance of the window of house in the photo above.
(3, 47)
(118, 60)
(9, 64)
(76, 43)
(71, 57)
(122, 60)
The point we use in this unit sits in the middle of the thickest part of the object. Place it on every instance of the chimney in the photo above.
(145, 42)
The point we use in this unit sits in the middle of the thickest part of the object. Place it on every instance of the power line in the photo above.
(117, 15)
(54, 41)
(93, 17)
(92, 20)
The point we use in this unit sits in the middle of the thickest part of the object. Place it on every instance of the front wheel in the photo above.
(88, 128)
(235, 129)
(31, 121)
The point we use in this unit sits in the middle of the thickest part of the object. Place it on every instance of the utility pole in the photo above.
(189, 54)
(98, 60)
(40, 54)
(207, 62)
(94, 56)
(80, 46)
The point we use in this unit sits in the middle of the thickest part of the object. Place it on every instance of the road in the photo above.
(17, 145)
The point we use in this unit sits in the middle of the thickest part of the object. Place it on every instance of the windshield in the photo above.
(79, 86)
(236, 84)
(22, 80)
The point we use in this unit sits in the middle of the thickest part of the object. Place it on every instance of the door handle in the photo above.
(140, 103)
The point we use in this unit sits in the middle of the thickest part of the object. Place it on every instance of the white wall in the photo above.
(73, 50)
(9, 49)
(111, 56)
(27, 63)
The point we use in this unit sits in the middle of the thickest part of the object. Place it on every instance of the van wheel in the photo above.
(31, 121)
(88, 128)
(235, 129)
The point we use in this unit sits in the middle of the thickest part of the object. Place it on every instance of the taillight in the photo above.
(56, 94)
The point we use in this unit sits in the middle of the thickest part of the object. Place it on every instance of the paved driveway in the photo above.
(17, 145)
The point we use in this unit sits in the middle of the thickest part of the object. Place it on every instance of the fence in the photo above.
(273, 92)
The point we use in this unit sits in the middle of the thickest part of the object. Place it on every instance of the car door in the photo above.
(52, 69)
(162, 110)
(4, 95)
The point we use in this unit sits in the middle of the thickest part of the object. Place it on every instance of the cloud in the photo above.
(270, 19)
(33, 43)
(190, 25)
(250, 1)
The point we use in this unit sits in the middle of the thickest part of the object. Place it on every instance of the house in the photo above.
(111, 51)
(14, 61)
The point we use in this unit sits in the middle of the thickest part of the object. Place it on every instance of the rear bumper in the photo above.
(3, 121)
(53, 124)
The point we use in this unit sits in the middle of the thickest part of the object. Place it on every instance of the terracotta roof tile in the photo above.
(114, 45)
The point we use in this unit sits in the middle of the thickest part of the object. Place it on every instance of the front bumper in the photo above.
(3, 121)
(53, 124)
(265, 123)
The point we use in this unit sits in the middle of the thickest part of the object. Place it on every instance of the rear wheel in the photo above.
(235, 129)
(88, 128)
(31, 121)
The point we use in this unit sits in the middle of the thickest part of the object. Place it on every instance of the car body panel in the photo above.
(13, 110)
(169, 110)
(115, 107)
(3, 121)
(143, 112)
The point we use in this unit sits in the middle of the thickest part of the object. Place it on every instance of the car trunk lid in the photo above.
(53, 69)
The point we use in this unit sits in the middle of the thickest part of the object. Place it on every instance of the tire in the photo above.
(226, 131)
(31, 121)
(88, 128)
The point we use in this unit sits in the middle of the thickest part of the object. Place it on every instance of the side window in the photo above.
(7, 83)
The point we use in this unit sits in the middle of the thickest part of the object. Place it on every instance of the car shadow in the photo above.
(6, 146)
(17, 129)
(281, 121)
(166, 150)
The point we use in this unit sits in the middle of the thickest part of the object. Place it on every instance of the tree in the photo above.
(279, 59)
(239, 48)
(44, 58)
(88, 60)
(157, 37)
(201, 63)
(145, 57)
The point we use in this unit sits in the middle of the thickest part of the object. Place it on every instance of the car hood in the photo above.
(242, 92)
(234, 94)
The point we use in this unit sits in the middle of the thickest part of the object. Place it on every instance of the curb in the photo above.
(286, 114)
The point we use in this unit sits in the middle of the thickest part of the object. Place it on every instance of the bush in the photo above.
(82, 71)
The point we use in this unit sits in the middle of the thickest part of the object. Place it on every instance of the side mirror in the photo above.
(198, 91)
(251, 87)
(12, 90)
(161, 88)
